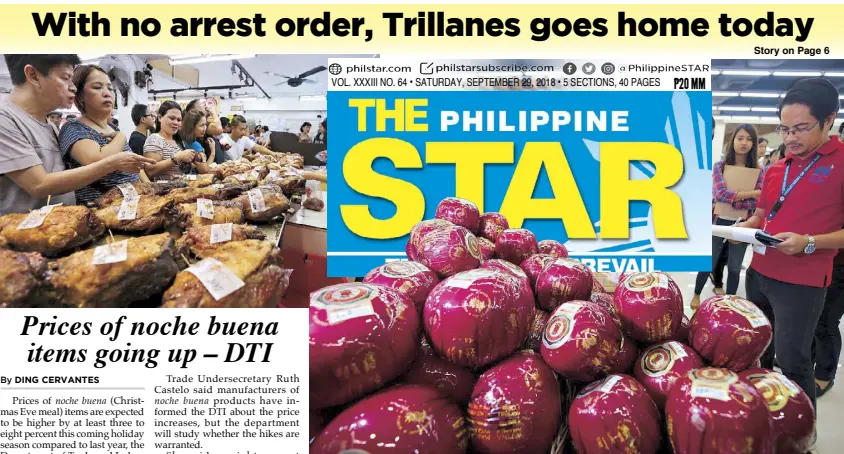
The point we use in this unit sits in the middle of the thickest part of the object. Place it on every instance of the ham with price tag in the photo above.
(128, 210)
(217, 279)
(205, 209)
(256, 201)
(128, 191)
(221, 233)
(110, 253)
(36, 217)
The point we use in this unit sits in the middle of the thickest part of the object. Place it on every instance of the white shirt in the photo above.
(237, 148)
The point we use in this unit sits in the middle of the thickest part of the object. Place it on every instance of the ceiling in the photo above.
(219, 73)
(749, 90)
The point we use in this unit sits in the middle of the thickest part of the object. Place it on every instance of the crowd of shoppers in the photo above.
(75, 160)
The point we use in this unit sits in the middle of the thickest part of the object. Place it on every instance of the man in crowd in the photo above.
(31, 165)
(802, 203)
(55, 117)
(239, 142)
(144, 125)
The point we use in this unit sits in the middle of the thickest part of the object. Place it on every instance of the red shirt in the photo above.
(815, 206)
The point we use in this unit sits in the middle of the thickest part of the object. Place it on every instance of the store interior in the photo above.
(747, 91)
(268, 89)
(277, 95)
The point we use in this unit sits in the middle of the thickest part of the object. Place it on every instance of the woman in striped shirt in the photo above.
(90, 138)
(163, 146)
(741, 152)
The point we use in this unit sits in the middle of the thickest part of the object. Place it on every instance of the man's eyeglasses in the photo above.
(797, 130)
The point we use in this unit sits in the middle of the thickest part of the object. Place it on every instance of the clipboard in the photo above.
(737, 179)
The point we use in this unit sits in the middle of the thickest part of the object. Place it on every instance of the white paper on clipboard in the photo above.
(742, 234)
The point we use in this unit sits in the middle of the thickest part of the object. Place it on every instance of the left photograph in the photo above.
(174, 181)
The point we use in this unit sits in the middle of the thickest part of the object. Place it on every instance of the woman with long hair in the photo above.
(322, 133)
(163, 146)
(214, 126)
(741, 151)
(192, 135)
(91, 137)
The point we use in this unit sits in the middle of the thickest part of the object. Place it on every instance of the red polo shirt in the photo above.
(815, 206)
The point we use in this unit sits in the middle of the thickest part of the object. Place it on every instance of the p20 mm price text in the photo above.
(690, 83)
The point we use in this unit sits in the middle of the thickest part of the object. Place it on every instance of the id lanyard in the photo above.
(787, 190)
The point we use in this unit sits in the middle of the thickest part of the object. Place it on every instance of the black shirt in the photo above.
(136, 142)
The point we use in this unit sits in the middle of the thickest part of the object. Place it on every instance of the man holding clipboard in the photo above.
(802, 204)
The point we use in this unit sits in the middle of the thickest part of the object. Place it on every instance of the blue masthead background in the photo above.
(682, 119)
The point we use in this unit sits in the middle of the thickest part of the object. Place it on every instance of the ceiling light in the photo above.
(763, 109)
(745, 118)
(722, 117)
(749, 94)
(726, 94)
(798, 73)
(208, 58)
(734, 108)
(312, 98)
(742, 72)
(833, 74)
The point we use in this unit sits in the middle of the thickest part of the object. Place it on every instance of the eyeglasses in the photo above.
(797, 131)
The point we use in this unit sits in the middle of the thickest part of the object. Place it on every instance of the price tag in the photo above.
(217, 279)
(292, 171)
(110, 253)
(128, 210)
(759, 249)
(36, 217)
(220, 233)
(256, 200)
(337, 315)
(254, 174)
(609, 383)
(678, 350)
(190, 177)
(205, 208)
(465, 279)
(273, 175)
(241, 177)
(708, 392)
(218, 186)
(128, 191)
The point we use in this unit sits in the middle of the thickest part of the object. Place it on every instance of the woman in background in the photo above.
(741, 151)
(775, 156)
(322, 133)
(305, 133)
(92, 138)
(163, 146)
(215, 127)
(193, 138)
